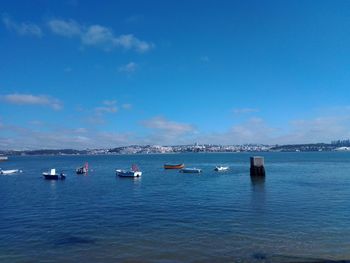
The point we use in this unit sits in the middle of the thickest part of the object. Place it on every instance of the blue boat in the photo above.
(191, 170)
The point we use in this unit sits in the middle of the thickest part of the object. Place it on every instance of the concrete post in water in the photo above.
(257, 166)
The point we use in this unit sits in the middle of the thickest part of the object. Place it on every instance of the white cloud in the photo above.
(97, 35)
(23, 29)
(131, 42)
(29, 99)
(66, 28)
(162, 131)
(319, 129)
(128, 68)
(244, 110)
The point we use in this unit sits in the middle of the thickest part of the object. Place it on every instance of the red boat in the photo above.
(174, 166)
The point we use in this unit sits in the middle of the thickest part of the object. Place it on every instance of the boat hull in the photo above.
(8, 172)
(221, 169)
(81, 171)
(54, 176)
(122, 173)
(191, 171)
(174, 166)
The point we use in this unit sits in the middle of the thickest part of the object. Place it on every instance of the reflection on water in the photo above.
(258, 192)
(136, 180)
(258, 183)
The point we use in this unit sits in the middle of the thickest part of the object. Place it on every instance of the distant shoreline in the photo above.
(337, 146)
(179, 153)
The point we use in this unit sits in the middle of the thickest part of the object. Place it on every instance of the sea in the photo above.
(300, 212)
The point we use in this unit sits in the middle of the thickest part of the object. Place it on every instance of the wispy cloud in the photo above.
(128, 68)
(256, 130)
(253, 130)
(29, 99)
(319, 129)
(109, 106)
(134, 19)
(161, 123)
(98, 115)
(127, 106)
(164, 131)
(66, 28)
(23, 29)
(98, 36)
(58, 138)
(244, 110)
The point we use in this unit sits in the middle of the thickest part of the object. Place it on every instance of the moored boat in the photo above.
(174, 166)
(83, 170)
(53, 176)
(133, 172)
(3, 158)
(191, 170)
(8, 172)
(221, 168)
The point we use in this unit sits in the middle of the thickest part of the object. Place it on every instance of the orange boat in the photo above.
(174, 166)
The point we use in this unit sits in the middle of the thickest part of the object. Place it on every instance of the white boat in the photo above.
(133, 172)
(8, 172)
(191, 170)
(3, 158)
(221, 168)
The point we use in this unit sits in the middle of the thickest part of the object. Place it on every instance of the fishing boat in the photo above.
(8, 172)
(83, 170)
(133, 172)
(221, 168)
(174, 166)
(3, 158)
(191, 170)
(53, 176)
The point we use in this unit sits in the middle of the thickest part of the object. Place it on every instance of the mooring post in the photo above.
(257, 166)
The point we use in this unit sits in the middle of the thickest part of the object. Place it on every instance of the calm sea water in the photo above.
(299, 213)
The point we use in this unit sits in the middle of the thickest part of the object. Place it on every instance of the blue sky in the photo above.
(82, 74)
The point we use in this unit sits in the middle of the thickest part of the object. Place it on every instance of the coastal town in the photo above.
(340, 145)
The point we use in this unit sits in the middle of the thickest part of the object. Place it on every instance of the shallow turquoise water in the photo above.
(300, 212)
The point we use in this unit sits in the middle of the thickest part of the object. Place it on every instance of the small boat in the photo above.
(191, 170)
(174, 166)
(8, 172)
(83, 170)
(53, 176)
(221, 168)
(3, 158)
(133, 172)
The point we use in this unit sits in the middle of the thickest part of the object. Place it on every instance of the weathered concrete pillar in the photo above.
(257, 166)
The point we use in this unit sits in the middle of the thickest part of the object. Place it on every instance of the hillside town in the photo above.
(192, 148)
